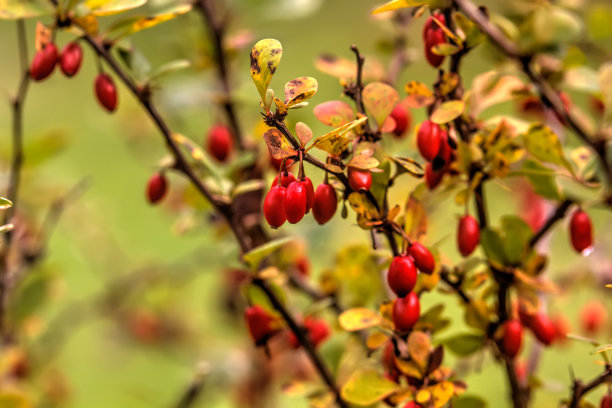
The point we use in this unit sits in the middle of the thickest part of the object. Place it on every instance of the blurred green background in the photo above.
(111, 231)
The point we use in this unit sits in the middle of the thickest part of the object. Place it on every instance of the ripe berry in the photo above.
(433, 35)
(562, 327)
(433, 177)
(402, 119)
(543, 328)
(303, 266)
(412, 404)
(274, 206)
(581, 231)
(286, 179)
(445, 154)
(106, 92)
(309, 193)
(359, 179)
(259, 324)
(423, 259)
(406, 312)
(606, 401)
(71, 58)
(513, 337)
(428, 140)
(156, 188)
(593, 317)
(44, 62)
(295, 202)
(317, 330)
(220, 142)
(402, 275)
(325, 203)
(430, 23)
(468, 235)
(388, 357)
(276, 163)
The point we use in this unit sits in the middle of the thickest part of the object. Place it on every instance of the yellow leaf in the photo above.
(358, 319)
(447, 111)
(415, 223)
(379, 100)
(409, 368)
(418, 347)
(423, 396)
(376, 340)
(397, 4)
(336, 141)
(418, 95)
(265, 57)
(300, 89)
(442, 393)
(544, 144)
(367, 387)
(278, 146)
(109, 7)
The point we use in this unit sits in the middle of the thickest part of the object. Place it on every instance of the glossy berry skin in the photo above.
(156, 188)
(402, 275)
(44, 62)
(295, 201)
(468, 235)
(276, 163)
(433, 178)
(71, 59)
(402, 119)
(606, 401)
(581, 231)
(429, 140)
(258, 322)
(543, 328)
(317, 330)
(220, 143)
(423, 258)
(325, 203)
(106, 92)
(286, 179)
(430, 23)
(274, 206)
(412, 404)
(359, 179)
(513, 337)
(406, 311)
(310, 192)
(593, 317)
(433, 35)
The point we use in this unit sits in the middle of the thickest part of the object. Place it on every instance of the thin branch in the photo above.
(579, 389)
(195, 387)
(455, 285)
(550, 222)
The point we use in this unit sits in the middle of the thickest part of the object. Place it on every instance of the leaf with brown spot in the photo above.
(334, 113)
(278, 146)
(379, 100)
(299, 90)
(336, 141)
(419, 95)
(281, 108)
(265, 57)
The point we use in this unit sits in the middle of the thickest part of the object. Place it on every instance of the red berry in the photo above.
(543, 328)
(597, 104)
(359, 179)
(274, 206)
(106, 92)
(412, 404)
(259, 323)
(429, 140)
(433, 37)
(317, 331)
(468, 235)
(443, 159)
(303, 266)
(325, 203)
(402, 275)
(276, 163)
(286, 179)
(513, 337)
(593, 317)
(430, 23)
(433, 177)
(295, 202)
(388, 357)
(606, 401)
(402, 119)
(581, 231)
(309, 193)
(44, 62)
(562, 327)
(423, 259)
(406, 312)
(220, 142)
(156, 188)
(70, 61)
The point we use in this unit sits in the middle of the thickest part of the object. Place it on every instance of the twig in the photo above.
(579, 389)
(456, 286)
(550, 222)
(193, 391)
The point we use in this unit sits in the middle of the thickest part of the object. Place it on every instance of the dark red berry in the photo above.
(402, 275)
(406, 312)
(317, 331)
(433, 38)
(44, 62)
(359, 179)
(388, 357)
(606, 401)
(286, 179)
(156, 188)
(295, 202)
(423, 258)
(325, 203)
(274, 206)
(70, 61)
(259, 324)
(310, 192)
(220, 142)
(402, 119)
(106, 92)
(468, 235)
(433, 177)
(581, 231)
(430, 23)
(513, 337)
(543, 328)
(429, 140)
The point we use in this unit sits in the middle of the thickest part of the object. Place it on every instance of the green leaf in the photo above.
(552, 24)
(254, 257)
(299, 90)
(109, 7)
(544, 144)
(445, 49)
(265, 57)
(516, 237)
(358, 319)
(16, 9)
(464, 344)
(447, 111)
(334, 113)
(169, 68)
(542, 179)
(469, 401)
(492, 244)
(408, 165)
(379, 100)
(366, 387)
(13, 399)
(5, 203)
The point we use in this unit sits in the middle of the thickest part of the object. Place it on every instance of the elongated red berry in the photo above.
(433, 177)
(423, 258)
(359, 179)
(44, 62)
(402, 119)
(430, 23)
(156, 188)
(325, 203)
(388, 357)
(259, 324)
(543, 328)
(444, 156)
(220, 143)
(286, 179)
(468, 235)
(406, 311)
(581, 231)
(317, 330)
(274, 206)
(513, 337)
(71, 58)
(310, 192)
(295, 201)
(606, 401)
(402, 275)
(106, 92)
(412, 404)
(429, 140)
(433, 38)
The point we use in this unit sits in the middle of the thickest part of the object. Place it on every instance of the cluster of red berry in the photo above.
(70, 60)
